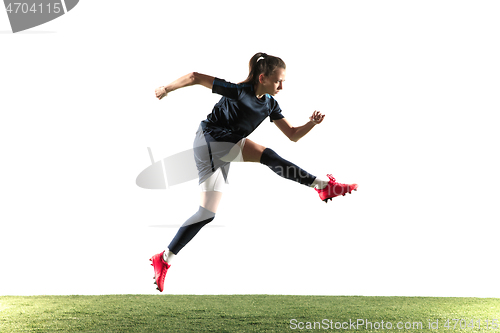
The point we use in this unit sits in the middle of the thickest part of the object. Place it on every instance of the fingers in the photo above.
(160, 92)
(317, 117)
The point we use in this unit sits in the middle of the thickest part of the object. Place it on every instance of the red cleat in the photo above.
(334, 189)
(161, 268)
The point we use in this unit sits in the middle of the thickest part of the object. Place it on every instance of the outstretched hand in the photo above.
(317, 117)
(161, 92)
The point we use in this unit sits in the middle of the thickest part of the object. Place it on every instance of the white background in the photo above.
(411, 94)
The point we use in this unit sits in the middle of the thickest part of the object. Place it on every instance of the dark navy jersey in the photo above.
(239, 112)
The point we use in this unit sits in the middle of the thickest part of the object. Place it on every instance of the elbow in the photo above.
(293, 135)
(194, 78)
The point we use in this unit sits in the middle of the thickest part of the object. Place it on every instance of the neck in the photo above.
(259, 91)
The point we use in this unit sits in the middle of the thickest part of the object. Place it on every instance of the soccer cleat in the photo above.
(161, 268)
(334, 189)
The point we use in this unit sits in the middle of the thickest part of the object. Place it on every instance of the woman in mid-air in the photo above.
(222, 138)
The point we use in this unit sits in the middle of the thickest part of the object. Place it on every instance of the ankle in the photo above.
(319, 184)
(168, 256)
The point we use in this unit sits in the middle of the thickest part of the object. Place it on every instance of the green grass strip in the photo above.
(246, 313)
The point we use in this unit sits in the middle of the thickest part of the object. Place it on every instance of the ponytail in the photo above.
(261, 63)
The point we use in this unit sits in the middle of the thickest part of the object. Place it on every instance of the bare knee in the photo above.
(252, 151)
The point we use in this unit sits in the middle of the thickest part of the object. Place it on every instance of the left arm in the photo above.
(296, 133)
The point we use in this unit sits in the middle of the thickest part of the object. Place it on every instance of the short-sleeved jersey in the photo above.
(239, 112)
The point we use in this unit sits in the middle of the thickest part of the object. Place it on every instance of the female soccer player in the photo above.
(222, 138)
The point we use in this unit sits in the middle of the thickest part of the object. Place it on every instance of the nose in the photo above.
(280, 87)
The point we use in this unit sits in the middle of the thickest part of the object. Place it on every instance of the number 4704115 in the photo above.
(24, 8)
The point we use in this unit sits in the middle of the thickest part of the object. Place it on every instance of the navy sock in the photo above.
(285, 169)
(190, 228)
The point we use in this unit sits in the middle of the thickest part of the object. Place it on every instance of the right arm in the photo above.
(185, 81)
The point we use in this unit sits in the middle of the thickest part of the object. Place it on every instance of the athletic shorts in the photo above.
(213, 156)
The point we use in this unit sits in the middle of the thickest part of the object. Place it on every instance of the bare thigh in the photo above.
(210, 200)
(252, 151)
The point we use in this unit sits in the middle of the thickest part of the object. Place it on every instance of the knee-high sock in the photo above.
(285, 168)
(190, 228)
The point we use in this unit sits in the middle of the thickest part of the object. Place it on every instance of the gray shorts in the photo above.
(211, 155)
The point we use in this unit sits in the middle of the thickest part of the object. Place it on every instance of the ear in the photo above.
(261, 78)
